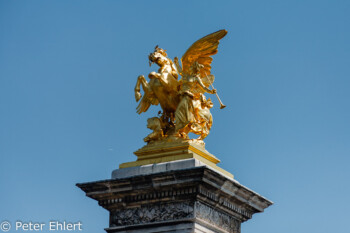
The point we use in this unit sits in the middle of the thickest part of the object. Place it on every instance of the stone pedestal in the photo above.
(178, 196)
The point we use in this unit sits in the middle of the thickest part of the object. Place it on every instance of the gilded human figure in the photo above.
(185, 109)
(192, 114)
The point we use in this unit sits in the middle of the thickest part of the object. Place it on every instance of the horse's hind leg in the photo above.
(145, 86)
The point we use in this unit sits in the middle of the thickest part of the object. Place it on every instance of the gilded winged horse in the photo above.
(182, 101)
(162, 87)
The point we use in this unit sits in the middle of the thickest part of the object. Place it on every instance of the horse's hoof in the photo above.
(138, 96)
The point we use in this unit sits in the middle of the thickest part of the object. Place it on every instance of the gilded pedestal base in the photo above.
(166, 151)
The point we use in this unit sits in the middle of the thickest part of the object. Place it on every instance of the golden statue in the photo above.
(185, 109)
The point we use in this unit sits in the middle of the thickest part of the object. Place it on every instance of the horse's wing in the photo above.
(200, 51)
(146, 102)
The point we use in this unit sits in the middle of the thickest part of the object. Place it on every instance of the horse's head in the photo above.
(159, 56)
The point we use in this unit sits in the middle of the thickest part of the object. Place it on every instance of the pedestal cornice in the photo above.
(199, 195)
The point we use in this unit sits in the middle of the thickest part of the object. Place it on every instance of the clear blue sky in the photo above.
(67, 108)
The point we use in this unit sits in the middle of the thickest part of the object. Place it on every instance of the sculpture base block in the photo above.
(174, 149)
(179, 196)
(163, 167)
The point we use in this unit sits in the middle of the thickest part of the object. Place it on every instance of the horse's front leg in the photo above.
(145, 86)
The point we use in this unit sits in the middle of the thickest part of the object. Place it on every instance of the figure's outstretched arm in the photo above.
(199, 80)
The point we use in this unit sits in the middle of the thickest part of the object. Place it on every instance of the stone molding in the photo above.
(149, 196)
